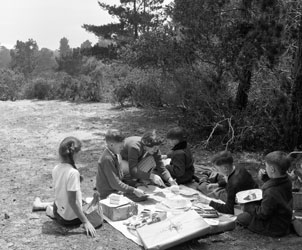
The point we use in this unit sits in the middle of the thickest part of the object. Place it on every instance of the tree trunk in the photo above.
(135, 20)
(245, 72)
(144, 16)
(295, 126)
(243, 88)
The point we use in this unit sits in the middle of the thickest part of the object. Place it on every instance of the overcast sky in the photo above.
(47, 21)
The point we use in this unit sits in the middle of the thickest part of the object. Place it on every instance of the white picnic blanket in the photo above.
(154, 202)
(118, 225)
(156, 195)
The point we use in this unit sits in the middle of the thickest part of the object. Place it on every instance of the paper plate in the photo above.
(188, 192)
(150, 189)
(249, 196)
(180, 203)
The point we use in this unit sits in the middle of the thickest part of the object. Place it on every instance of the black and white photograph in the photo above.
(151, 124)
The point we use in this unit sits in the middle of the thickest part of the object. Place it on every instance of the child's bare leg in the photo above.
(38, 205)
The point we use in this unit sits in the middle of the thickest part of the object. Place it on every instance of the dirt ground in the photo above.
(30, 133)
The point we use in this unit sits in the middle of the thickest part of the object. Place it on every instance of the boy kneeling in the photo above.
(273, 216)
(110, 175)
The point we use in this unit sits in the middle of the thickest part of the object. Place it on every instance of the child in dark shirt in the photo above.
(109, 176)
(237, 179)
(181, 166)
(273, 216)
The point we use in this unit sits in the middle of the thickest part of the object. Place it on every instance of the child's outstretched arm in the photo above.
(164, 173)
(113, 179)
(228, 207)
(79, 212)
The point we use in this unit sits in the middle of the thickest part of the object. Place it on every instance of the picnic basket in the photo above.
(297, 200)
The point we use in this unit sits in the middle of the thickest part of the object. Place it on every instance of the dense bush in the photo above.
(138, 87)
(10, 85)
(64, 87)
(88, 85)
(124, 92)
(202, 101)
(214, 121)
(41, 89)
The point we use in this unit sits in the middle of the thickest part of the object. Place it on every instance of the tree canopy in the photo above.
(24, 57)
(5, 57)
(134, 18)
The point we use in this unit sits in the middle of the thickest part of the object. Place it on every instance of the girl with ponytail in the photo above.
(67, 207)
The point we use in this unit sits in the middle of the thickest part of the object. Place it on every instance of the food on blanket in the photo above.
(207, 213)
(134, 222)
(250, 197)
(114, 199)
(175, 189)
(176, 202)
(145, 217)
(159, 216)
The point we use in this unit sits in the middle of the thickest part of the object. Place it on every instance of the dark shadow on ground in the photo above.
(54, 228)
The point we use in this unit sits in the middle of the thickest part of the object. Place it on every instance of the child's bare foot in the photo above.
(38, 205)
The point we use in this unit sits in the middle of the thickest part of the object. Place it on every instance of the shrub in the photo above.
(214, 121)
(41, 89)
(11, 84)
(138, 87)
(123, 93)
(65, 87)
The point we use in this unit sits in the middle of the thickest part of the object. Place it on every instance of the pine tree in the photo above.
(135, 17)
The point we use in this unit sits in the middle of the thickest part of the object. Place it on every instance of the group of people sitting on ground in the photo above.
(128, 163)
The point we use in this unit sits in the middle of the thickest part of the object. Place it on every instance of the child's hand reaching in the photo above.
(138, 192)
(262, 175)
(211, 186)
(157, 180)
(90, 230)
(172, 182)
(204, 199)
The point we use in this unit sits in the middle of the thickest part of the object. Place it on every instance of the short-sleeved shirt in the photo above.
(66, 178)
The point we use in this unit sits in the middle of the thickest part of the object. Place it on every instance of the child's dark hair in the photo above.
(150, 139)
(177, 133)
(223, 157)
(280, 160)
(114, 135)
(68, 147)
